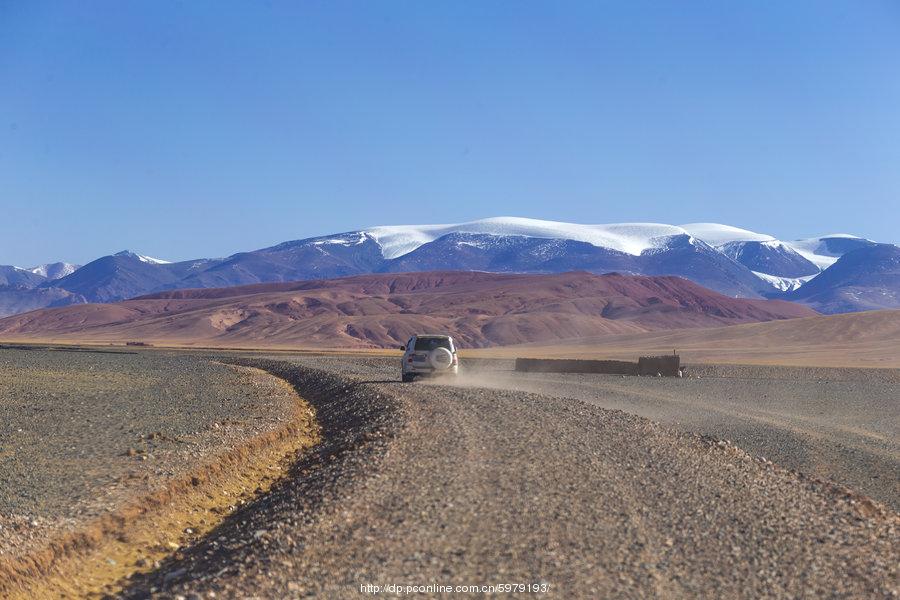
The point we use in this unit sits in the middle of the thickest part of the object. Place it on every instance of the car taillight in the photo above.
(409, 359)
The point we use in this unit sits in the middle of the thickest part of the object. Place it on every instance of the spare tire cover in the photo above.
(440, 358)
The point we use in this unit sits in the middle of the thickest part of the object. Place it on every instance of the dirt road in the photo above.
(838, 424)
(450, 486)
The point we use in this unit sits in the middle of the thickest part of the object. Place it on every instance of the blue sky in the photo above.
(188, 129)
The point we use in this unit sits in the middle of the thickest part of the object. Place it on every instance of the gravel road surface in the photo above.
(429, 484)
(838, 424)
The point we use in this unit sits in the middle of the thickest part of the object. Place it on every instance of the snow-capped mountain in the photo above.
(55, 270)
(503, 244)
(124, 275)
(864, 278)
(21, 291)
(776, 265)
(826, 250)
(730, 260)
(716, 234)
(773, 258)
(630, 238)
(18, 277)
(786, 265)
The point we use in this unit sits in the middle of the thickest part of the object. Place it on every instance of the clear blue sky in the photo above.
(188, 129)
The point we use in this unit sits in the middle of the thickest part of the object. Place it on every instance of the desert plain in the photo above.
(211, 443)
(743, 481)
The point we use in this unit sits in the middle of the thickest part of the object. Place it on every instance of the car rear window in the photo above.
(429, 344)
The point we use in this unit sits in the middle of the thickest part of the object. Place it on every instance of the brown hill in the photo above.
(866, 339)
(480, 309)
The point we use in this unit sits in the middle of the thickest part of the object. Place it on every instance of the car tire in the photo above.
(408, 377)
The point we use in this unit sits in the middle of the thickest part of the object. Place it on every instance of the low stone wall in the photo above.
(646, 365)
(667, 365)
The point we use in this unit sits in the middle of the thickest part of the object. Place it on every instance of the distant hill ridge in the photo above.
(481, 309)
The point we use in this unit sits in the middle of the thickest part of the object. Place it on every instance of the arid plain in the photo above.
(222, 466)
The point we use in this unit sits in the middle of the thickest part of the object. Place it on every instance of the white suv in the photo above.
(429, 355)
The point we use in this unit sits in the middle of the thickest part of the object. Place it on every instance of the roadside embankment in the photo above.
(358, 423)
(135, 497)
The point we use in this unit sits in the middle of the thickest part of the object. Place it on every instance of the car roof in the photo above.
(436, 335)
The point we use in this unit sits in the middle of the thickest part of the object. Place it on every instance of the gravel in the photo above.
(429, 484)
(837, 424)
(81, 431)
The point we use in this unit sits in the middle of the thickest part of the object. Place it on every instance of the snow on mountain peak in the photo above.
(840, 235)
(716, 234)
(631, 238)
(153, 261)
(816, 249)
(56, 270)
(784, 284)
(143, 258)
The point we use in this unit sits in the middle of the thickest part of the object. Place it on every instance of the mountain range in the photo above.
(830, 273)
